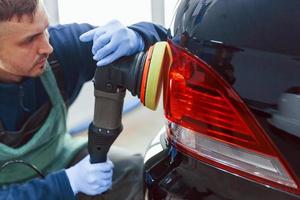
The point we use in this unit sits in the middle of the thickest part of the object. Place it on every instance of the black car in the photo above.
(231, 103)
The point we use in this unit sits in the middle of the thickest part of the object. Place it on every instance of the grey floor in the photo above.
(140, 124)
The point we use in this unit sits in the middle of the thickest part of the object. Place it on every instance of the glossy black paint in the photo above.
(254, 42)
(255, 46)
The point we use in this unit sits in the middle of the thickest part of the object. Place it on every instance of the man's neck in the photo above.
(6, 77)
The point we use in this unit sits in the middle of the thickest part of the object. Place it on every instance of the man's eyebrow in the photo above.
(37, 33)
(29, 36)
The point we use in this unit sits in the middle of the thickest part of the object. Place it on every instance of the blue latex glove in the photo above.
(113, 41)
(90, 179)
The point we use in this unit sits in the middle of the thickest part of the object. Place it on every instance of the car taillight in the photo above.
(209, 121)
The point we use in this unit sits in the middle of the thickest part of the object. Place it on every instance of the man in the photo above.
(34, 100)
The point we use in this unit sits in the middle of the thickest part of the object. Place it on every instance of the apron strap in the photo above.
(59, 76)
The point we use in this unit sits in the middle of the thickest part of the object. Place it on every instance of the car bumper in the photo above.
(173, 175)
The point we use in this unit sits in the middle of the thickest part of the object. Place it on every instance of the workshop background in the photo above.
(140, 124)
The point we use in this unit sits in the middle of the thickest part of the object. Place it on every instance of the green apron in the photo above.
(50, 149)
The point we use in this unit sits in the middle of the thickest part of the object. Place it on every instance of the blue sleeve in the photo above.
(75, 57)
(150, 32)
(54, 186)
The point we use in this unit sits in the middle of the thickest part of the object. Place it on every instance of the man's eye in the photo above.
(31, 39)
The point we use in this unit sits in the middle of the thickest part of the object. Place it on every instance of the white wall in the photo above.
(169, 11)
(98, 12)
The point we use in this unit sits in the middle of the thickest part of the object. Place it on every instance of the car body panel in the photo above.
(254, 45)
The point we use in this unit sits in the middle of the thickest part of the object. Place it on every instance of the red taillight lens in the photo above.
(209, 121)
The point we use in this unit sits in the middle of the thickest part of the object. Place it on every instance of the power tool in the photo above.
(142, 75)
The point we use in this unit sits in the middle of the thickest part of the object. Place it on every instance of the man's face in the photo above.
(24, 46)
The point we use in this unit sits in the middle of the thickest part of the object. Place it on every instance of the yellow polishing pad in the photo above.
(160, 61)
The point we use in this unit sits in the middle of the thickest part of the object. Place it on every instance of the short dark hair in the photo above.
(11, 8)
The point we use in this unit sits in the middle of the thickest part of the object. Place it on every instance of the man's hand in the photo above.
(91, 179)
(112, 41)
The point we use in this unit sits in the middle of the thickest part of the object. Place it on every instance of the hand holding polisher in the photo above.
(141, 74)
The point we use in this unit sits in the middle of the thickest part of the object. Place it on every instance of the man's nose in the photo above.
(45, 47)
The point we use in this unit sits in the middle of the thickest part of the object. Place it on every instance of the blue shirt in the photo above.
(19, 101)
